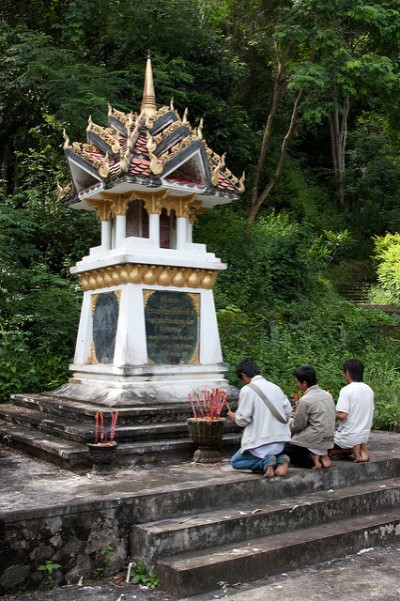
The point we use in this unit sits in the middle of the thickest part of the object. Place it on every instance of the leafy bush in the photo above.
(384, 377)
(139, 575)
(39, 303)
(267, 266)
(275, 306)
(323, 330)
(387, 256)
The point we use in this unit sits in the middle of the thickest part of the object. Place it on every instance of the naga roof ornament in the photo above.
(157, 149)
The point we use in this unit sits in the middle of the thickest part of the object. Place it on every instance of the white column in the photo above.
(189, 231)
(113, 233)
(84, 339)
(121, 340)
(136, 328)
(106, 235)
(210, 345)
(120, 230)
(180, 231)
(130, 344)
(154, 229)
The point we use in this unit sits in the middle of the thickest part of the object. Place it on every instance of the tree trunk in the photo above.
(7, 167)
(338, 133)
(258, 199)
(267, 130)
(281, 62)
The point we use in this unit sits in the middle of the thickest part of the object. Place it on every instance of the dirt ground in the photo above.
(373, 573)
(112, 589)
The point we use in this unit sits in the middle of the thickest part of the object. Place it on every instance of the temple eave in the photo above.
(127, 184)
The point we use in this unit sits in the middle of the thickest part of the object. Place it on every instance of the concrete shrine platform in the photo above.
(30, 485)
(36, 490)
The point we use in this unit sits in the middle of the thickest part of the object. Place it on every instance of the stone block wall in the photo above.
(85, 541)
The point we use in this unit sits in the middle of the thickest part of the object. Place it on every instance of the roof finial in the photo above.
(149, 107)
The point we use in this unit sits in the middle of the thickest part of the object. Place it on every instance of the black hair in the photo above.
(248, 368)
(306, 373)
(355, 369)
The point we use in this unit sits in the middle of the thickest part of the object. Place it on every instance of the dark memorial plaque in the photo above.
(105, 321)
(172, 327)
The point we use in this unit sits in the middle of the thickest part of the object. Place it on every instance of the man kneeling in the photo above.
(354, 411)
(313, 424)
(263, 411)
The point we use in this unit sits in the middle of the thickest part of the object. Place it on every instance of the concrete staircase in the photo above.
(57, 430)
(355, 292)
(196, 525)
(198, 539)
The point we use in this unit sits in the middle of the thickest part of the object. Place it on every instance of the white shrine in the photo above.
(148, 330)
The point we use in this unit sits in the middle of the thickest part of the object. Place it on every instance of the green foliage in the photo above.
(268, 265)
(107, 560)
(107, 554)
(139, 575)
(97, 573)
(224, 586)
(63, 60)
(330, 245)
(49, 567)
(323, 331)
(384, 377)
(387, 256)
(39, 303)
(373, 181)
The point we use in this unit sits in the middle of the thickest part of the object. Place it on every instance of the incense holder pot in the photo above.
(207, 435)
(103, 453)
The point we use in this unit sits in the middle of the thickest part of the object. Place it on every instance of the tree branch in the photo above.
(281, 62)
(282, 156)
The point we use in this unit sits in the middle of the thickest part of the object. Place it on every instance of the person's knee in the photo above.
(235, 460)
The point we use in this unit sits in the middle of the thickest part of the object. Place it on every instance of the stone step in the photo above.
(152, 433)
(200, 571)
(355, 292)
(58, 503)
(80, 410)
(71, 454)
(222, 493)
(170, 450)
(83, 431)
(255, 519)
(46, 423)
(62, 452)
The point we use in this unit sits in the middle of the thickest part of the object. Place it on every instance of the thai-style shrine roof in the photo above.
(154, 150)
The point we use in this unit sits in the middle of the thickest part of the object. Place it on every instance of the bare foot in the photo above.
(326, 462)
(269, 471)
(316, 461)
(357, 454)
(364, 453)
(282, 469)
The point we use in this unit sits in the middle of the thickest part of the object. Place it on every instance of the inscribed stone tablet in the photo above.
(105, 321)
(172, 327)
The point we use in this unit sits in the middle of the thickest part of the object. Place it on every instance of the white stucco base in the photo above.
(143, 386)
(132, 375)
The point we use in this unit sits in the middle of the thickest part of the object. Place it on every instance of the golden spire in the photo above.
(149, 107)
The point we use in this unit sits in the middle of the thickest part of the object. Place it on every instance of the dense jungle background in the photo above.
(302, 95)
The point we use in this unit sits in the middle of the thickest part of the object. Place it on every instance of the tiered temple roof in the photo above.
(153, 150)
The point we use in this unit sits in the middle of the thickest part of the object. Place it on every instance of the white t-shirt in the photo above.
(274, 448)
(356, 399)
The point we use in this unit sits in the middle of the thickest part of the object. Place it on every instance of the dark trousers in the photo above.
(299, 456)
